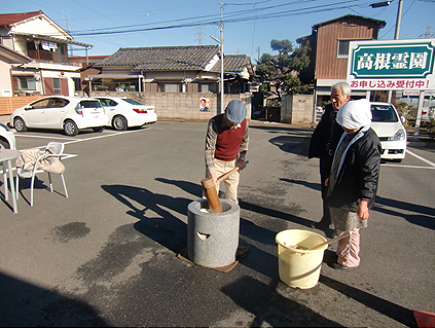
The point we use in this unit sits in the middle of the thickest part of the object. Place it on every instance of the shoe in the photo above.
(330, 233)
(319, 225)
(339, 266)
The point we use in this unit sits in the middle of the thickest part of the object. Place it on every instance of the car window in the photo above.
(90, 104)
(104, 102)
(44, 103)
(108, 102)
(132, 102)
(383, 113)
(58, 103)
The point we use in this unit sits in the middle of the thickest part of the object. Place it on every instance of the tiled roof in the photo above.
(234, 63)
(8, 19)
(162, 58)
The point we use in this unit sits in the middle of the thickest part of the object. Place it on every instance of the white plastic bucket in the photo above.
(299, 267)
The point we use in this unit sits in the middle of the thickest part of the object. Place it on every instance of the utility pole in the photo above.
(221, 55)
(399, 18)
(66, 46)
(396, 37)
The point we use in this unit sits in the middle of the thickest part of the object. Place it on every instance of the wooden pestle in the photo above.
(210, 191)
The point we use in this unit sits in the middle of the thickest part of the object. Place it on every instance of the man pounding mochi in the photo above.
(226, 145)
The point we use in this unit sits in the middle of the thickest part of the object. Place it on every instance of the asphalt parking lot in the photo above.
(106, 256)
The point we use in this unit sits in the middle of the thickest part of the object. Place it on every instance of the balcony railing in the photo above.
(44, 55)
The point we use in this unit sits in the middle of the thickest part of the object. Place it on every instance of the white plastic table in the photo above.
(6, 156)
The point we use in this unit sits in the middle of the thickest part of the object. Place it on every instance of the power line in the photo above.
(213, 16)
(249, 15)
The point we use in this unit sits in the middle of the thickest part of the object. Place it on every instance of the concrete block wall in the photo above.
(180, 106)
(171, 106)
(297, 109)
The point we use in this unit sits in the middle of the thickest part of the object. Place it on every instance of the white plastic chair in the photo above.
(56, 150)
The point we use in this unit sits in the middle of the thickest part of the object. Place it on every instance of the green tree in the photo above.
(283, 71)
(282, 46)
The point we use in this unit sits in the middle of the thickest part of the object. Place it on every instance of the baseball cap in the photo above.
(235, 111)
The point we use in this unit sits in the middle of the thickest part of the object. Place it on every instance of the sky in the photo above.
(248, 26)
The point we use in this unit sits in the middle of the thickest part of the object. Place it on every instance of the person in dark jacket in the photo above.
(353, 181)
(324, 140)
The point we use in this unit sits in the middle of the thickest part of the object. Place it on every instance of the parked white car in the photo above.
(123, 113)
(387, 124)
(7, 138)
(70, 114)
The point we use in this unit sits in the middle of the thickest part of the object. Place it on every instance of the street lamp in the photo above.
(380, 4)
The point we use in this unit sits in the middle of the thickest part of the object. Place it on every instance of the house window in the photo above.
(343, 48)
(169, 87)
(204, 88)
(77, 84)
(57, 90)
(27, 83)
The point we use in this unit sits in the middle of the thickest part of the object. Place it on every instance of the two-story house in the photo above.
(9, 58)
(35, 35)
(329, 43)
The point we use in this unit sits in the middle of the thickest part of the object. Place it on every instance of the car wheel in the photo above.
(119, 123)
(99, 129)
(4, 144)
(70, 128)
(19, 125)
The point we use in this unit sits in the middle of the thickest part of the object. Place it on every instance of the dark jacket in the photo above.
(323, 143)
(359, 175)
(326, 135)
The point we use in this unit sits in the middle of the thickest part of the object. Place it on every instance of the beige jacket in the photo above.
(48, 162)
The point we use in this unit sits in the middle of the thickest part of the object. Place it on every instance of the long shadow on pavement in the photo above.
(315, 186)
(394, 311)
(196, 190)
(25, 305)
(170, 232)
(297, 145)
(425, 216)
(271, 308)
(164, 228)
(190, 187)
(274, 213)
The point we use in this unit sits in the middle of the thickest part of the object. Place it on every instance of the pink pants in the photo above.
(348, 249)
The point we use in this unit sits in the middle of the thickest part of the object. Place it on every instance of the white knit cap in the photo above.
(355, 114)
